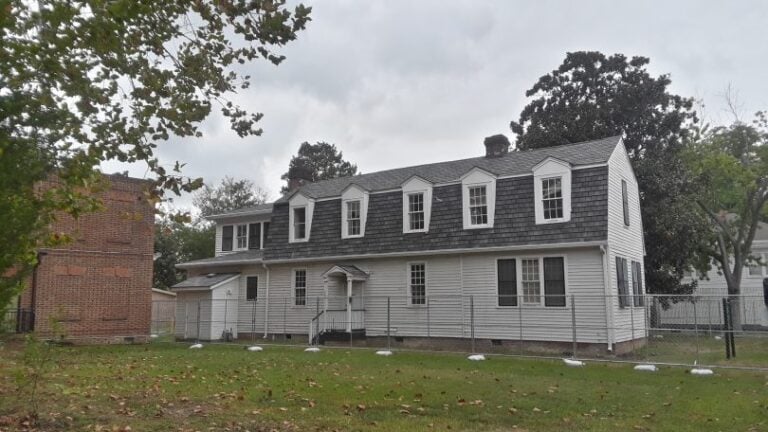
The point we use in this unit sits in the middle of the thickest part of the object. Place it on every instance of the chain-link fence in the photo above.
(652, 328)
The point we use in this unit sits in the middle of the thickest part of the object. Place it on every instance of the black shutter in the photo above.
(266, 231)
(621, 281)
(251, 288)
(637, 284)
(554, 282)
(625, 201)
(226, 238)
(507, 280)
(254, 236)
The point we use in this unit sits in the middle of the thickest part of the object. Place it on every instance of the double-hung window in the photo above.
(531, 281)
(552, 197)
(242, 237)
(416, 211)
(478, 205)
(417, 283)
(299, 223)
(506, 272)
(300, 287)
(353, 218)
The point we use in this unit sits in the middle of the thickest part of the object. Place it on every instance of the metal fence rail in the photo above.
(650, 328)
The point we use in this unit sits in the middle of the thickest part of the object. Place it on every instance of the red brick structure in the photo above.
(99, 286)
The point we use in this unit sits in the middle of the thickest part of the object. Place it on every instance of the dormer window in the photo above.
(417, 205)
(478, 198)
(353, 218)
(354, 210)
(299, 223)
(552, 197)
(416, 211)
(300, 218)
(552, 191)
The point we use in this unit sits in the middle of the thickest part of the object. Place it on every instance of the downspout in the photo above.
(266, 303)
(608, 300)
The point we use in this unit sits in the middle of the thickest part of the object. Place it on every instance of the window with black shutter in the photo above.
(637, 284)
(266, 231)
(621, 282)
(625, 201)
(554, 282)
(507, 281)
(254, 236)
(226, 237)
(251, 288)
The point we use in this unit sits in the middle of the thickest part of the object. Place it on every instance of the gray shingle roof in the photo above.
(513, 163)
(233, 258)
(252, 210)
(204, 282)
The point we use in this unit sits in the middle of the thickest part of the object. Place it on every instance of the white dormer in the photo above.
(552, 191)
(354, 211)
(300, 213)
(478, 191)
(417, 205)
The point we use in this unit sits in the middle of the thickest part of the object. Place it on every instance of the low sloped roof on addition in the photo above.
(249, 256)
(204, 282)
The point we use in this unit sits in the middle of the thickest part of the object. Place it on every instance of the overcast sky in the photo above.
(397, 83)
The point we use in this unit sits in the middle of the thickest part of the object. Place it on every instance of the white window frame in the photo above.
(351, 194)
(293, 287)
(296, 202)
(519, 272)
(408, 285)
(236, 240)
(477, 177)
(547, 169)
(412, 186)
(540, 280)
(546, 181)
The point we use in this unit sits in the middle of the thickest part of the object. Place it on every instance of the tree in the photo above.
(593, 96)
(730, 164)
(321, 161)
(177, 242)
(85, 82)
(231, 194)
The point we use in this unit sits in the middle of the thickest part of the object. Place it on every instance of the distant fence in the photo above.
(653, 328)
(17, 321)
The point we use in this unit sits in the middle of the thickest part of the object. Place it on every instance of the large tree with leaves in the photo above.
(321, 161)
(88, 81)
(230, 194)
(730, 165)
(592, 96)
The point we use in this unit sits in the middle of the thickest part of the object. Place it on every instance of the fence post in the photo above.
(225, 317)
(520, 322)
(388, 322)
(186, 320)
(573, 323)
(696, 328)
(632, 322)
(726, 333)
(428, 320)
(285, 319)
(253, 324)
(317, 320)
(472, 320)
(198, 321)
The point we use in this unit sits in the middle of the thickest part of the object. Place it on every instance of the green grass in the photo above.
(169, 387)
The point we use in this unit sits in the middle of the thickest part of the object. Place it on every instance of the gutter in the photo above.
(527, 247)
(608, 299)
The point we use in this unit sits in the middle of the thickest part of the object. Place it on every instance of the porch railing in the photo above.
(335, 319)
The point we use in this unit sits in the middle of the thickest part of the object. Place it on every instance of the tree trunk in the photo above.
(736, 317)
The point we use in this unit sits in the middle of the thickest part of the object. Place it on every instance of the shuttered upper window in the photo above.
(506, 272)
(621, 282)
(554, 281)
(227, 237)
(254, 236)
(251, 288)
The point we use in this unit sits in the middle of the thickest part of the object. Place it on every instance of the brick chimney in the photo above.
(298, 176)
(496, 145)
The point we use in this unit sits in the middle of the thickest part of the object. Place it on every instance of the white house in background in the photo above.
(712, 288)
(508, 239)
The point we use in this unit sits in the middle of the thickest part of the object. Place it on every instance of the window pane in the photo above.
(353, 218)
(621, 281)
(507, 280)
(637, 284)
(242, 236)
(300, 287)
(226, 237)
(299, 222)
(554, 281)
(251, 287)
(418, 284)
(416, 211)
(254, 236)
(531, 283)
(478, 205)
(552, 198)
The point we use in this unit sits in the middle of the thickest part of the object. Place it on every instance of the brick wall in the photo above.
(99, 285)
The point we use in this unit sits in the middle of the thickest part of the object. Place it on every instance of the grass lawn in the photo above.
(170, 387)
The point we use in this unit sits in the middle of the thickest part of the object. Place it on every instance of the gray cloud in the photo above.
(396, 83)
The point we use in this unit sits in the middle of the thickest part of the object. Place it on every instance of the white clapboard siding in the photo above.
(251, 313)
(224, 309)
(624, 241)
(187, 315)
